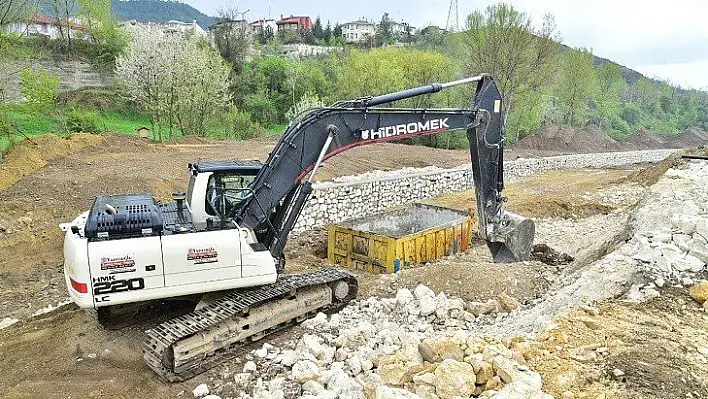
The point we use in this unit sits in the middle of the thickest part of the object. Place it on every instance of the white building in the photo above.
(358, 31)
(402, 28)
(43, 25)
(264, 24)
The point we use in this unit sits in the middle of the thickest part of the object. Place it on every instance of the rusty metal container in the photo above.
(399, 239)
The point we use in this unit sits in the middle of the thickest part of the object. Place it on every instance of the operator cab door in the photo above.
(201, 257)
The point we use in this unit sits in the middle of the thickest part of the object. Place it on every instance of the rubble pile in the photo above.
(671, 237)
(415, 345)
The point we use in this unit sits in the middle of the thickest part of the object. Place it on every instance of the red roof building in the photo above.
(294, 23)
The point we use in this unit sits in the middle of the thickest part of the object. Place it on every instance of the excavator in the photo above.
(223, 239)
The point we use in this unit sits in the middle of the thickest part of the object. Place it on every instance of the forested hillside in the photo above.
(159, 11)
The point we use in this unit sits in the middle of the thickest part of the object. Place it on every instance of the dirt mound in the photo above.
(692, 137)
(645, 140)
(566, 139)
(590, 139)
(28, 156)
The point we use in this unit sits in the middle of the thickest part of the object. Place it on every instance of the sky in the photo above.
(665, 42)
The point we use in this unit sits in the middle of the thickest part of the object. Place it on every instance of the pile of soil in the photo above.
(566, 139)
(590, 139)
(692, 137)
(29, 156)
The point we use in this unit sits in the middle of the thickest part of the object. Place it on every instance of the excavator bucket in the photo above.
(508, 235)
(513, 239)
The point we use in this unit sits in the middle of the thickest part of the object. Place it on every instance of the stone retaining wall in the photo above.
(360, 196)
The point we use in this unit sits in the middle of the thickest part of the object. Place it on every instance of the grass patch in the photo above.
(277, 129)
(119, 122)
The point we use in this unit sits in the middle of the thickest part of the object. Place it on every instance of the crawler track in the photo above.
(186, 346)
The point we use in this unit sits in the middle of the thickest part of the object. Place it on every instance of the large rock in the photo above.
(200, 390)
(436, 349)
(311, 344)
(518, 390)
(699, 250)
(508, 303)
(441, 306)
(396, 369)
(345, 386)
(684, 224)
(688, 263)
(482, 308)
(384, 392)
(508, 371)
(371, 383)
(453, 378)
(699, 292)
(485, 372)
(305, 370)
(313, 387)
(426, 300)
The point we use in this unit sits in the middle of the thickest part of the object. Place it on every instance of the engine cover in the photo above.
(123, 216)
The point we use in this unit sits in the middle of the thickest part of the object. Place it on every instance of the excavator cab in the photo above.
(218, 189)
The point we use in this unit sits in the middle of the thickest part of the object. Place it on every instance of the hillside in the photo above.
(159, 11)
(629, 75)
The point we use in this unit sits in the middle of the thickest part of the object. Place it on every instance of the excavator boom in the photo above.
(280, 190)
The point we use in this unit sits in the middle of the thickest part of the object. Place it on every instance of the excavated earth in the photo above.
(601, 311)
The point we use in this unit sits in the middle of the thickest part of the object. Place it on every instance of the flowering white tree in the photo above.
(307, 102)
(179, 81)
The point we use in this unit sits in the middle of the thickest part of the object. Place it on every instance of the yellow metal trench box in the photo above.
(396, 240)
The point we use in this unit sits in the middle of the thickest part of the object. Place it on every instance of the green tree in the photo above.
(610, 86)
(645, 93)
(105, 33)
(337, 31)
(317, 30)
(503, 42)
(327, 35)
(575, 86)
(230, 36)
(384, 34)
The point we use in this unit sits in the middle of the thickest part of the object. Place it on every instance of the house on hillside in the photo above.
(358, 31)
(294, 23)
(43, 25)
(402, 28)
(184, 27)
(170, 27)
(264, 25)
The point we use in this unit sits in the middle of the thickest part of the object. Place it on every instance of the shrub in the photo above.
(39, 88)
(79, 121)
(235, 124)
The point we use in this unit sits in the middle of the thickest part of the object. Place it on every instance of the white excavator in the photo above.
(224, 238)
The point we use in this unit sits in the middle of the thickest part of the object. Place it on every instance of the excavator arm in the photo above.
(281, 189)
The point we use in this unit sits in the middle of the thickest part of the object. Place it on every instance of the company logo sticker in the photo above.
(117, 262)
(202, 255)
(431, 126)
